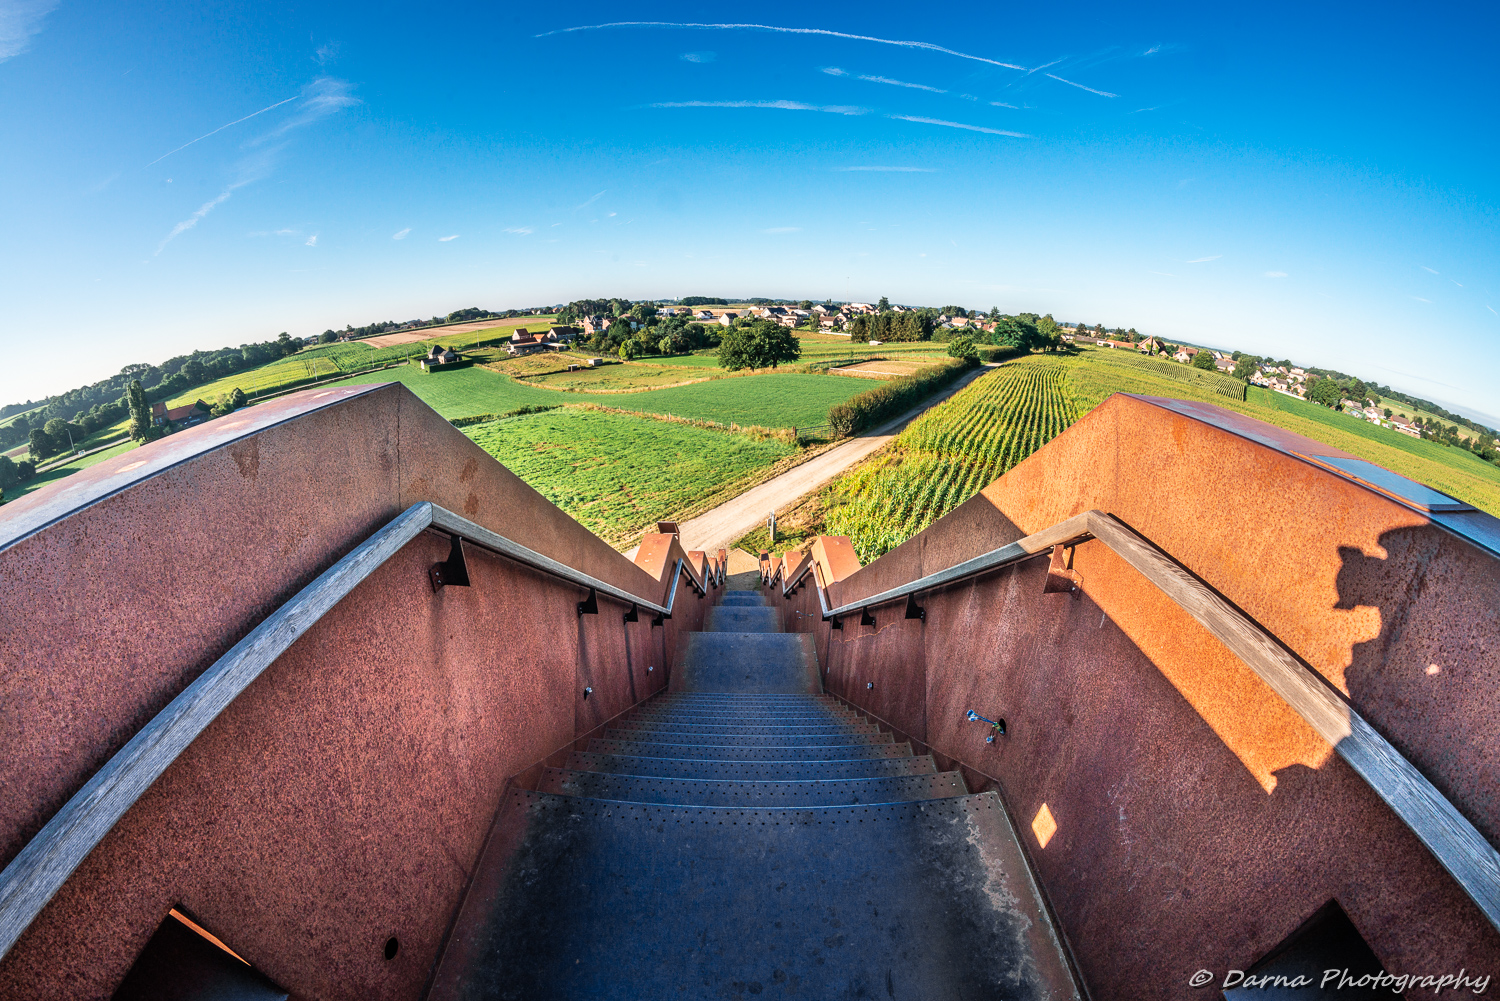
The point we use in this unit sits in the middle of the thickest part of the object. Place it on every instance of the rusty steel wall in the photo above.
(343, 797)
(1195, 818)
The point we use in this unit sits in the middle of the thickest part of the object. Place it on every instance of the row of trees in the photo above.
(90, 408)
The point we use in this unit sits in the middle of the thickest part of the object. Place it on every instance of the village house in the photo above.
(1117, 344)
(194, 413)
(726, 318)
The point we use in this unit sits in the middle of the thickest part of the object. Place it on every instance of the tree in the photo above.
(760, 344)
(9, 476)
(1326, 392)
(141, 428)
(39, 445)
(1244, 367)
(284, 342)
(884, 305)
(629, 349)
(1204, 360)
(1049, 334)
(193, 371)
(327, 337)
(963, 348)
(1389, 413)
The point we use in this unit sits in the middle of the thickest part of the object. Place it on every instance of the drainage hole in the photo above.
(391, 947)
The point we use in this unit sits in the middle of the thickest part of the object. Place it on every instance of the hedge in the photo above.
(890, 399)
(463, 422)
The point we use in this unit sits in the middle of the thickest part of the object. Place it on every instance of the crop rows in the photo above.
(951, 453)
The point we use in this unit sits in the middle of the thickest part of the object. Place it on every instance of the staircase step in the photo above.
(750, 771)
(720, 792)
(733, 752)
(743, 601)
(752, 663)
(584, 898)
(634, 725)
(737, 619)
(773, 739)
(770, 717)
(754, 699)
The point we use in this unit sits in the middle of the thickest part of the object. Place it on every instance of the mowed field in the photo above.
(617, 473)
(947, 455)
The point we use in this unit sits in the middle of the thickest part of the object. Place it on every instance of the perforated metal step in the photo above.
(584, 898)
(745, 730)
(722, 792)
(751, 771)
(778, 738)
(734, 753)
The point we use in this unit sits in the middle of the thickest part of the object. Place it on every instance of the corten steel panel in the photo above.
(1199, 819)
(340, 800)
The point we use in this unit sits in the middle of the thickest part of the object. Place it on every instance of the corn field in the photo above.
(950, 453)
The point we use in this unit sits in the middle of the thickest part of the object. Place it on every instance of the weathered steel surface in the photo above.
(396, 719)
(747, 663)
(1193, 808)
(720, 792)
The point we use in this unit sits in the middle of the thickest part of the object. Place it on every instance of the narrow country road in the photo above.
(721, 526)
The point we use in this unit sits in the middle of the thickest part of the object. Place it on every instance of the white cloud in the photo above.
(198, 216)
(401, 234)
(895, 170)
(959, 125)
(1420, 299)
(590, 201)
(445, 239)
(19, 21)
(520, 230)
(1275, 274)
(783, 229)
(312, 241)
(835, 109)
(1426, 268)
(902, 83)
(698, 57)
(1203, 260)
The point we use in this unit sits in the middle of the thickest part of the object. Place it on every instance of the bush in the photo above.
(890, 399)
(1001, 353)
(9, 476)
(963, 349)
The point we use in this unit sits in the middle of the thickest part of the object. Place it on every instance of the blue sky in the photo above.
(1319, 184)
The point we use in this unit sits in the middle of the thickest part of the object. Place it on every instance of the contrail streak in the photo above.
(1070, 83)
(221, 128)
(789, 31)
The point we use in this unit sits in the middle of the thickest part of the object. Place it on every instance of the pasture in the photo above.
(618, 473)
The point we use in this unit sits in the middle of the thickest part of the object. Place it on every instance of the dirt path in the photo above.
(719, 527)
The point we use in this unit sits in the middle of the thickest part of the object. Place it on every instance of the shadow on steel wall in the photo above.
(1181, 815)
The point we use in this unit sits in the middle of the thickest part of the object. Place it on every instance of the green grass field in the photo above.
(59, 472)
(617, 473)
(769, 400)
(465, 391)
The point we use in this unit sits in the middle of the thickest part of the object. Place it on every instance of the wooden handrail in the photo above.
(41, 868)
(1457, 845)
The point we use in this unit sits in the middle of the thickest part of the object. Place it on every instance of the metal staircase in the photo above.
(745, 835)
